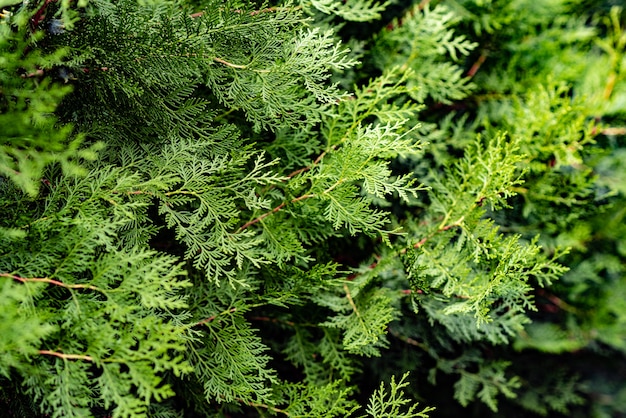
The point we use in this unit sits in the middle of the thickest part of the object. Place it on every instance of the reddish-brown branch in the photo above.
(212, 318)
(410, 291)
(86, 70)
(268, 10)
(276, 209)
(420, 242)
(313, 164)
(556, 301)
(417, 245)
(300, 170)
(40, 15)
(260, 218)
(371, 267)
(407, 340)
(425, 239)
(403, 251)
(282, 205)
(49, 281)
(476, 66)
(438, 230)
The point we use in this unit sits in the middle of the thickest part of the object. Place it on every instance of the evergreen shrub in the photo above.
(312, 208)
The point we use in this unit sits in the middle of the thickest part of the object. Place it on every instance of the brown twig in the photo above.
(411, 291)
(276, 209)
(421, 242)
(313, 164)
(40, 15)
(407, 340)
(556, 301)
(212, 318)
(476, 66)
(417, 245)
(50, 281)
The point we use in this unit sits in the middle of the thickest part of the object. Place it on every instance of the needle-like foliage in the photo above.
(216, 208)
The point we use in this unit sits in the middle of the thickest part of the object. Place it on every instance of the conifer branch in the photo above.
(40, 14)
(229, 64)
(351, 301)
(609, 86)
(265, 406)
(421, 242)
(614, 131)
(276, 209)
(557, 301)
(313, 164)
(175, 180)
(477, 64)
(253, 12)
(66, 356)
(408, 340)
(51, 281)
(440, 229)
(214, 317)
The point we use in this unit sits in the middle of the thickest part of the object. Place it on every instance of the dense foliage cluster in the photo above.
(312, 208)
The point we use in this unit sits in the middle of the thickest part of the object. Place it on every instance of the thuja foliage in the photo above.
(313, 208)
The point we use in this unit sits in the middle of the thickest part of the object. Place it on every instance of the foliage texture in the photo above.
(313, 208)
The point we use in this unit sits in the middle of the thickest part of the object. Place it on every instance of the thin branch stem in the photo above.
(276, 209)
(214, 317)
(614, 131)
(610, 85)
(265, 406)
(476, 66)
(350, 300)
(421, 242)
(408, 340)
(253, 12)
(229, 64)
(441, 228)
(313, 164)
(66, 356)
(557, 301)
(51, 281)
(36, 73)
